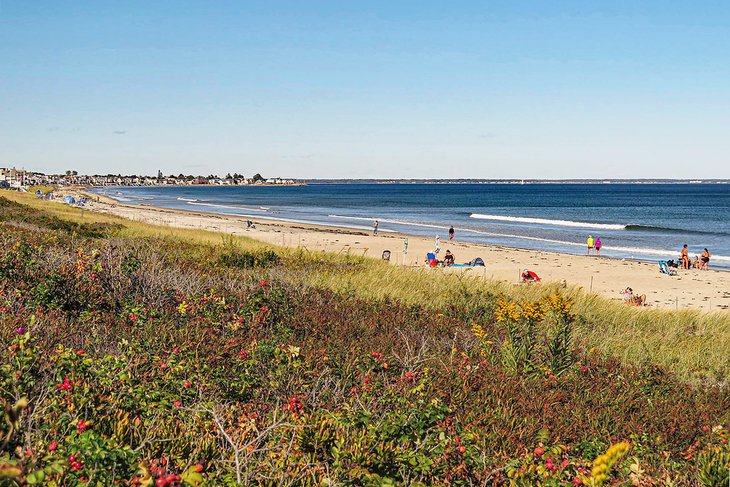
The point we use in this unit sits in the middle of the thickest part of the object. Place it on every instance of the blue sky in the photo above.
(503, 89)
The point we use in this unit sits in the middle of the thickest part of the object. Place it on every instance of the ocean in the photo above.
(647, 222)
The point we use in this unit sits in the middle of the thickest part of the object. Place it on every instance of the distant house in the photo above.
(15, 178)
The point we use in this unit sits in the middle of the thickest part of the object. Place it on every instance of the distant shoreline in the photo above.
(515, 181)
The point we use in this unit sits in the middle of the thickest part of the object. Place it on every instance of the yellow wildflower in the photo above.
(478, 331)
(506, 310)
(531, 311)
(604, 463)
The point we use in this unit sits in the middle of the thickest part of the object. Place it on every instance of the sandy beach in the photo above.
(707, 290)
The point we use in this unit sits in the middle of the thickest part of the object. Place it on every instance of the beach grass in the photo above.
(131, 355)
(694, 344)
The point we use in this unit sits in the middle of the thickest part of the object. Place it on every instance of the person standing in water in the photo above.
(590, 244)
(451, 233)
(375, 228)
(598, 245)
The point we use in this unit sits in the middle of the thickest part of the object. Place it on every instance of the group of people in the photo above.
(701, 261)
(432, 259)
(634, 299)
(594, 245)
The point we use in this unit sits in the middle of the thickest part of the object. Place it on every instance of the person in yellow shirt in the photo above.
(590, 244)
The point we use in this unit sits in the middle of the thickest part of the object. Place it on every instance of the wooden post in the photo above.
(591, 283)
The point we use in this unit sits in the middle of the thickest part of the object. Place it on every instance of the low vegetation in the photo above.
(132, 356)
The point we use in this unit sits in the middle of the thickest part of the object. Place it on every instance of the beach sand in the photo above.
(707, 290)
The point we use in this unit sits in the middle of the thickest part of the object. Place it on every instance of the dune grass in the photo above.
(694, 344)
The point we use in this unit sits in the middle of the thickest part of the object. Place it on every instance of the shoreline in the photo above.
(605, 276)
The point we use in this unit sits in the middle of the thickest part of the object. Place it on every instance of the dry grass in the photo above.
(693, 343)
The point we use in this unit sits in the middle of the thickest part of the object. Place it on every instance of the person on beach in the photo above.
(451, 233)
(437, 247)
(634, 299)
(448, 258)
(598, 245)
(639, 300)
(590, 244)
(628, 295)
(684, 257)
(375, 228)
(529, 276)
(705, 260)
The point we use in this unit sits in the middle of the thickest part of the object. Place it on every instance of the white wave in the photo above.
(244, 208)
(137, 197)
(191, 200)
(386, 220)
(544, 221)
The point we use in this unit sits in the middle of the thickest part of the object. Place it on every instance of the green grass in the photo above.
(694, 344)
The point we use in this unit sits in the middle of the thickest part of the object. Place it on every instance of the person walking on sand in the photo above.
(598, 245)
(684, 257)
(375, 228)
(590, 244)
(451, 233)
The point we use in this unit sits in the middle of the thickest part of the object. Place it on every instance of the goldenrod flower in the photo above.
(604, 463)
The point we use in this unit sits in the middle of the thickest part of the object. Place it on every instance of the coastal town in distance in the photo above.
(22, 179)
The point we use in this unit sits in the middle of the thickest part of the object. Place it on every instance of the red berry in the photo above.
(539, 451)
(52, 446)
(71, 458)
(188, 384)
(577, 481)
(177, 404)
(198, 467)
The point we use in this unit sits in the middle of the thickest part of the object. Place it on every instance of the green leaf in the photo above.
(36, 477)
(192, 476)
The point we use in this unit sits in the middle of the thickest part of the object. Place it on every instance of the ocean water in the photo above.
(636, 221)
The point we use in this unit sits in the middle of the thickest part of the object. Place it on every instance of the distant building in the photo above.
(15, 178)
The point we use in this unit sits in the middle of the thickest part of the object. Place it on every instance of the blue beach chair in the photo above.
(665, 269)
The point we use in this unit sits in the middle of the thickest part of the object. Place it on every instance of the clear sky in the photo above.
(485, 89)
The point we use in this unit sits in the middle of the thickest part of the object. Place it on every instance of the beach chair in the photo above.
(386, 255)
(665, 269)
